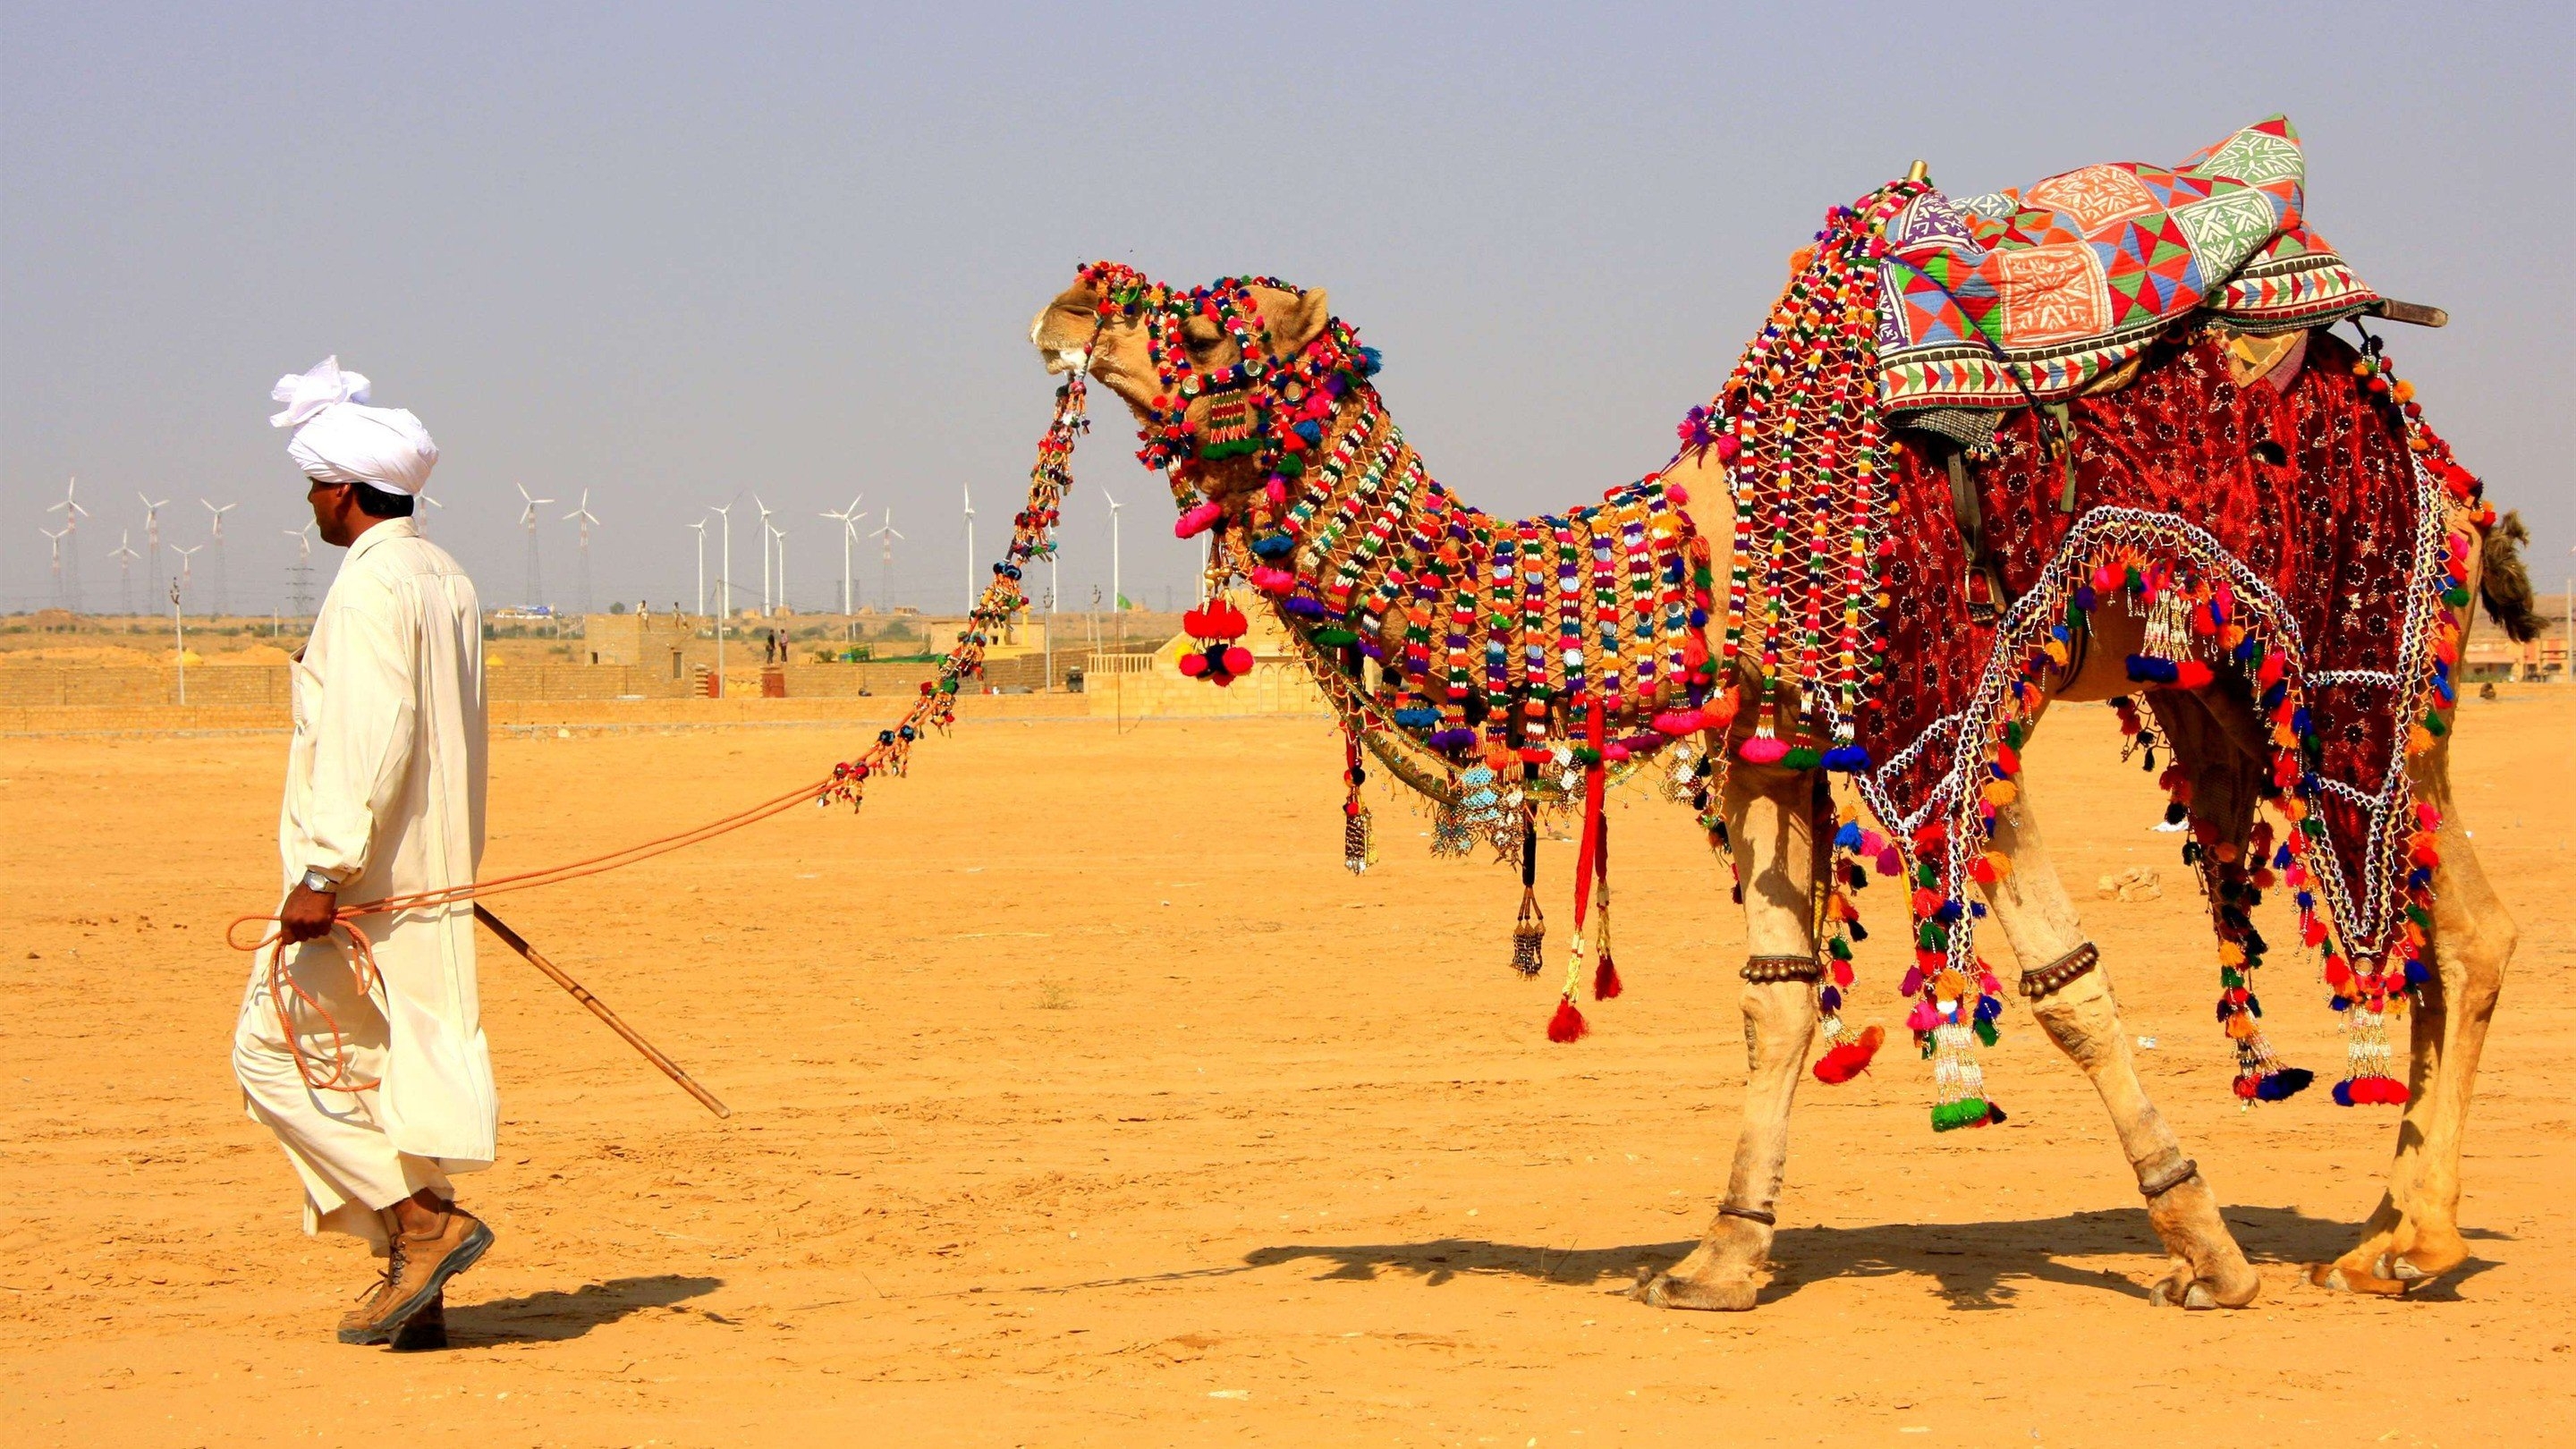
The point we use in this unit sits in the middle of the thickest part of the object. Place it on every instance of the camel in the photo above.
(1778, 844)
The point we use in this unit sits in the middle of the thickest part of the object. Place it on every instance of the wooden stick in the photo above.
(580, 993)
(2414, 314)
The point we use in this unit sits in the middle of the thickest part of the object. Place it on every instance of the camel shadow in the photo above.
(553, 1316)
(1976, 1266)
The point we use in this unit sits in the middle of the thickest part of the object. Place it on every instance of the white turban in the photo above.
(338, 439)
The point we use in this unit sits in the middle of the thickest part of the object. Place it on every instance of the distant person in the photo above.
(384, 796)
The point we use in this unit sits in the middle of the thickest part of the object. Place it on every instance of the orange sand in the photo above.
(1083, 1098)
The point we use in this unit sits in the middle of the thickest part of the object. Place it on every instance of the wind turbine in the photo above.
(68, 576)
(223, 577)
(969, 494)
(886, 538)
(764, 554)
(589, 520)
(152, 537)
(724, 585)
(125, 557)
(778, 540)
(422, 519)
(54, 536)
(1117, 600)
(179, 585)
(300, 577)
(700, 529)
(849, 520)
(528, 520)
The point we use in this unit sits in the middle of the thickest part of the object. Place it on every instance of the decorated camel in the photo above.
(2089, 441)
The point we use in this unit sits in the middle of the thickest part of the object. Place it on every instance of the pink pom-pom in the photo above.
(1272, 580)
(1198, 520)
(1889, 862)
(1923, 1018)
(1763, 749)
(1677, 493)
(1677, 722)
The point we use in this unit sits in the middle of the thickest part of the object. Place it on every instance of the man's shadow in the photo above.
(1976, 1265)
(553, 1316)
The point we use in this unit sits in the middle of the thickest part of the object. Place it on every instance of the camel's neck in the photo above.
(1480, 626)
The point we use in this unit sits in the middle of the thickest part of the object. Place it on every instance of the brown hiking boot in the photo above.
(417, 1267)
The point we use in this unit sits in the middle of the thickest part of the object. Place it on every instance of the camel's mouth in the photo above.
(1064, 338)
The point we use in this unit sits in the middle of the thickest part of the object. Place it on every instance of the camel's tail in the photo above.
(2505, 584)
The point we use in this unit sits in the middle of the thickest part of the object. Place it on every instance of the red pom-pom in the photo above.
(1238, 660)
(1605, 980)
(2192, 674)
(1851, 1058)
(1193, 665)
(1568, 1024)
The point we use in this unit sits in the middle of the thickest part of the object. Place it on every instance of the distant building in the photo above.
(652, 641)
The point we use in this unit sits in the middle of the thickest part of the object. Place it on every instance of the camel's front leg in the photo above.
(2074, 1005)
(1769, 820)
(2415, 1234)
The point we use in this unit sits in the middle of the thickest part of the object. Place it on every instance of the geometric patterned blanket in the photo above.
(2017, 296)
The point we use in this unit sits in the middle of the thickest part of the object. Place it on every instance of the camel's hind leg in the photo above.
(1770, 819)
(2415, 1233)
(2209, 1270)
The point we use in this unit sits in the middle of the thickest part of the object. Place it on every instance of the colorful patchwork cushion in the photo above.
(2017, 296)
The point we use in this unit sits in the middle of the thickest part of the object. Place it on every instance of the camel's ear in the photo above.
(1299, 320)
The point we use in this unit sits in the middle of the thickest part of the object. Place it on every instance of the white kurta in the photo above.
(384, 792)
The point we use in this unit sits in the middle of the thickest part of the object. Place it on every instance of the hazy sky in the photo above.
(669, 253)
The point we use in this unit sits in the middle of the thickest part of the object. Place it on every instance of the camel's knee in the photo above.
(2076, 1008)
(2472, 957)
(1779, 1020)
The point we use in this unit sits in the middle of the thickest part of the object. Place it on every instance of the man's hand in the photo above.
(308, 913)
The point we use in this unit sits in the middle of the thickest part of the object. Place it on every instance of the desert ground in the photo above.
(1082, 1097)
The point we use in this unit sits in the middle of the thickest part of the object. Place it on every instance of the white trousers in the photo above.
(350, 1168)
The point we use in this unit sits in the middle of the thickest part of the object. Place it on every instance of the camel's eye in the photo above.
(1200, 336)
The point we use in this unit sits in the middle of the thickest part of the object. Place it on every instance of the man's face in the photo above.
(334, 508)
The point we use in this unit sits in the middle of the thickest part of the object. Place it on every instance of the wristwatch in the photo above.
(316, 881)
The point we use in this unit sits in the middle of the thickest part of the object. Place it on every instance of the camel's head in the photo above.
(1229, 382)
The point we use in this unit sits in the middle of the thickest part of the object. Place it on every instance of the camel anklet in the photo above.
(2042, 982)
(1764, 970)
(2180, 1173)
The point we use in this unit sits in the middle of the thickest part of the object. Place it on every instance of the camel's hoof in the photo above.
(2426, 1261)
(2197, 1294)
(2338, 1278)
(1733, 1295)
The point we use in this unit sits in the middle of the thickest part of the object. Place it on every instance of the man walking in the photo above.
(370, 1064)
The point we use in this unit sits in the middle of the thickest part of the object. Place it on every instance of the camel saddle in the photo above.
(2025, 297)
